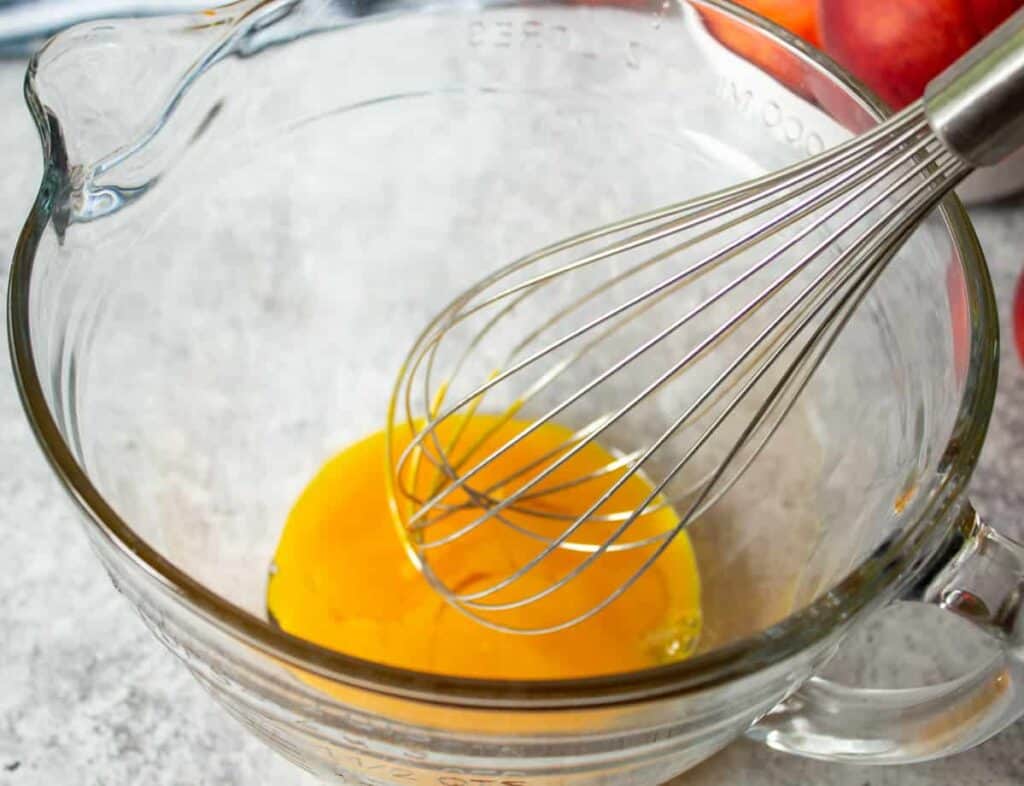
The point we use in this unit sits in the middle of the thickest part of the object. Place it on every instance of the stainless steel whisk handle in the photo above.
(976, 106)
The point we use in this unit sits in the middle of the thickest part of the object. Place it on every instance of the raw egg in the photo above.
(341, 576)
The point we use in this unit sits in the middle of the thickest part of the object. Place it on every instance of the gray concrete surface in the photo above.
(88, 697)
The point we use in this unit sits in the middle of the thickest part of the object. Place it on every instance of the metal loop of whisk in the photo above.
(685, 334)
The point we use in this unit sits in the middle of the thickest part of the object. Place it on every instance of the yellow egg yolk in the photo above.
(342, 579)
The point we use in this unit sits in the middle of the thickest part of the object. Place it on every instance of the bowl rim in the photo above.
(877, 575)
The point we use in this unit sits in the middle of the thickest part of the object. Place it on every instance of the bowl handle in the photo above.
(982, 581)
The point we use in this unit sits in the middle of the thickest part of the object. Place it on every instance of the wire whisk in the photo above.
(678, 339)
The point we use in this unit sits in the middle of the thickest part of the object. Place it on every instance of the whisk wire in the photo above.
(877, 187)
(752, 236)
(528, 566)
(658, 233)
(877, 258)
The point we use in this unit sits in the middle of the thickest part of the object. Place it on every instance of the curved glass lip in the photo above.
(882, 571)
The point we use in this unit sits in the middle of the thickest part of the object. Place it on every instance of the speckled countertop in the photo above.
(88, 697)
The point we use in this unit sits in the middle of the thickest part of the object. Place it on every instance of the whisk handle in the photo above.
(976, 106)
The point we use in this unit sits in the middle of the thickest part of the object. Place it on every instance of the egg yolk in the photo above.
(341, 576)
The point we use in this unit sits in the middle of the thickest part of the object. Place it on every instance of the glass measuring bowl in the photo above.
(245, 216)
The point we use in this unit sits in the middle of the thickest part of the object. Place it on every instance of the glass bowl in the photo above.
(247, 213)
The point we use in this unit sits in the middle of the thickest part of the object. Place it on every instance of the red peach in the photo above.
(960, 318)
(1018, 317)
(755, 48)
(896, 48)
(800, 17)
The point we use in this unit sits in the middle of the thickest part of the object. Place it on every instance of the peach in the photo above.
(896, 48)
(960, 318)
(800, 17)
(797, 15)
(1018, 317)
